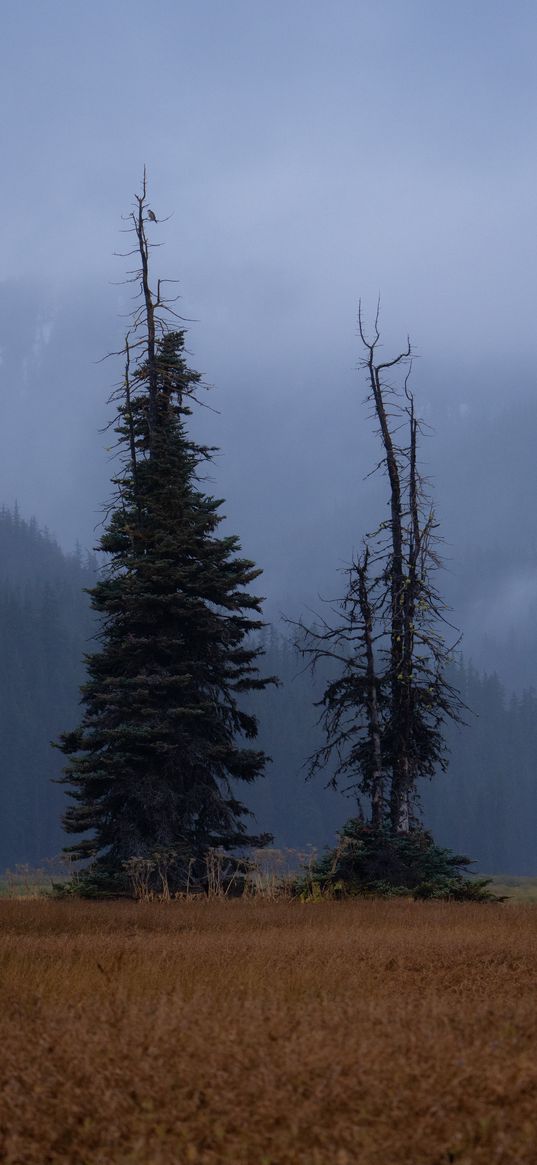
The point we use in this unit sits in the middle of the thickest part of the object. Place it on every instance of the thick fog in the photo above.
(309, 154)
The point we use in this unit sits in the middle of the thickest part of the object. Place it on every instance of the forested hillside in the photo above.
(44, 628)
(486, 805)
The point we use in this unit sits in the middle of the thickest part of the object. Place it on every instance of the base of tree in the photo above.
(94, 883)
(161, 876)
(371, 862)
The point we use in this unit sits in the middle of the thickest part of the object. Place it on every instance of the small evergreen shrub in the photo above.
(373, 862)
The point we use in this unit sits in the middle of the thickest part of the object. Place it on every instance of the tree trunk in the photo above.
(373, 716)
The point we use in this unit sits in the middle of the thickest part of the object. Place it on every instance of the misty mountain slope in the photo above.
(298, 811)
(53, 457)
(485, 805)
(297, 431)
(45, 626)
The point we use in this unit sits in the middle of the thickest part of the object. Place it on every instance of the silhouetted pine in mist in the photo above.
(164, 742)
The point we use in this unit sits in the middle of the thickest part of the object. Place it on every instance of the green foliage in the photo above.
(458, 890)
(93, 883)
(370, 861)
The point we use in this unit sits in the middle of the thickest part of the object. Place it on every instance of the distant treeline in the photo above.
(45, 625)
(486, 805)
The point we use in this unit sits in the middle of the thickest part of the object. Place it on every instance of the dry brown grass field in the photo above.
(268, 1033)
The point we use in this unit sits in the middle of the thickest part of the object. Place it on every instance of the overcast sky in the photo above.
(309, 153)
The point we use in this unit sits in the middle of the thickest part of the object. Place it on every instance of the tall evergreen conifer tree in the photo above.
(163, 740)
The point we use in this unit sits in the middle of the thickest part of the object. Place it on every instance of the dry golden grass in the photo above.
(244, 1033)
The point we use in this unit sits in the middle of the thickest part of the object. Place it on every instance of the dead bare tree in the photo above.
(352, 705)
(383, 715)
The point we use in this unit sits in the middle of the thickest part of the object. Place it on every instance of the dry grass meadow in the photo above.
(268, 1033)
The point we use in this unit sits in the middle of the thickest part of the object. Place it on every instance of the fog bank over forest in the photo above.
(297, 444)
(307, 157)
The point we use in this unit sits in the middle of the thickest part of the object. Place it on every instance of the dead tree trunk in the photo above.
(397, 580)
(372, 703)
(139, 219)
(383, 714)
